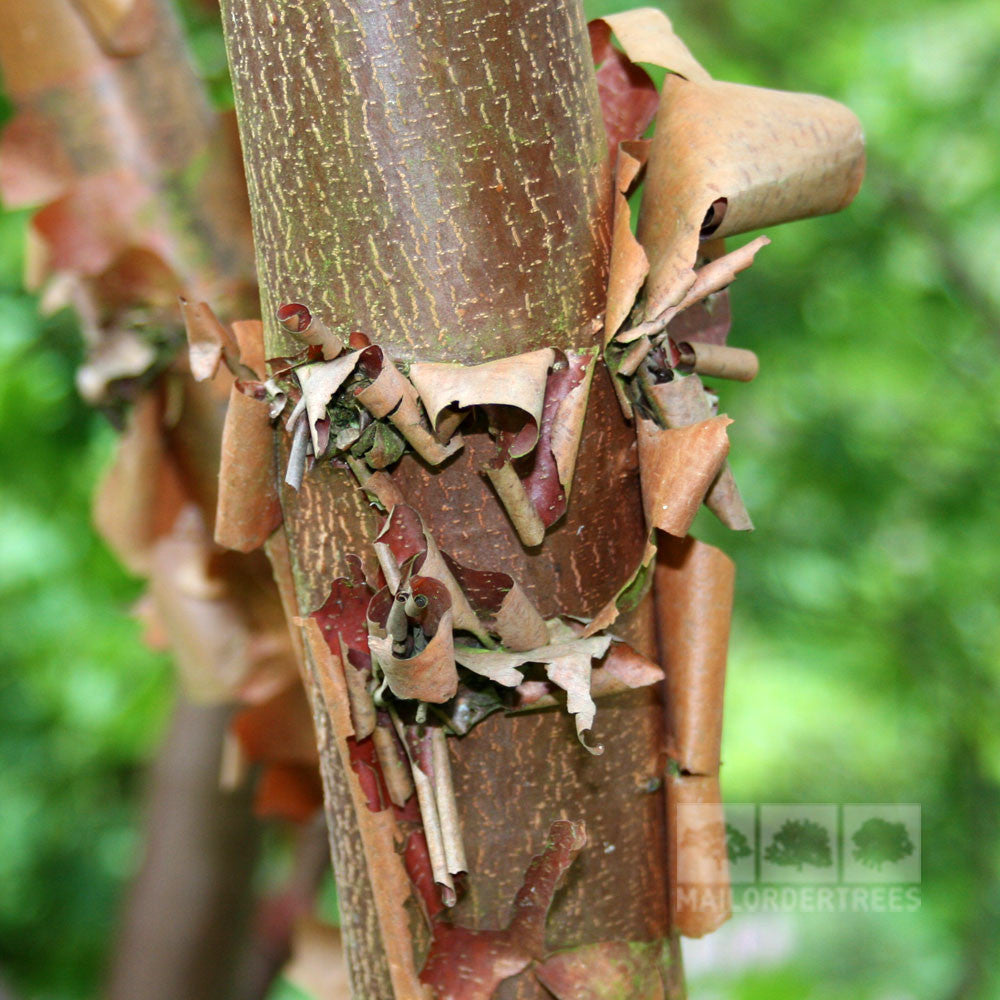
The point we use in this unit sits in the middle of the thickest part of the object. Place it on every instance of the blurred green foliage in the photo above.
(81, 699)
(864, 661)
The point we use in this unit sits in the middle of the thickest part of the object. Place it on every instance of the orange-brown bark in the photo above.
(436, 177)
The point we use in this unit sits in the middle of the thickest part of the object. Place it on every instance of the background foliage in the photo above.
(864, 662)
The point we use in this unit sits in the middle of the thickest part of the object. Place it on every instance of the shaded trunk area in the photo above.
(185, 921)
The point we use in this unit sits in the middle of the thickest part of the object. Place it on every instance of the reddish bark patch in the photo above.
(465, 964)
(629, 98)
(610, 970)
(364, 763)
(548, 496)
(345, 615)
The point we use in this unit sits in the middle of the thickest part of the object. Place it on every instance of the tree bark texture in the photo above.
(387, 153)
(435, 175)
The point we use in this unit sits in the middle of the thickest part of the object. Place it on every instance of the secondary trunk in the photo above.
(435, 175)
(140, 196)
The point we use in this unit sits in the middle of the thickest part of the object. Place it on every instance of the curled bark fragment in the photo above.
(393, 761)
(709, 279)
(403, 539)
(444, 797)
(435, 796)
(490, 956)
(320, 382)
(570, 392)
(717, 360)
(548, 482)
(378, 485)
(514, 496)
(567, 659)
(497, 666)
(282, 365)
(570, 671)
(502, 605)
(627, 93)
(390, 395)
(297, 454)
(298, 320)
(624, 668)
(141, 494)
(683, 402)
(693, 583)
(699, 864)
(708, 320)
(208, 340)
(517, 382)
(249, 508)
(249, 334)
(773, 156)
(329, 669)
(429, 675)
(677, 468)
(647, 36)
(629, 263)
(621, 669)
(356, 679)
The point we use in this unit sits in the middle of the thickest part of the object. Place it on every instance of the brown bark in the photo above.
(390, 185)
(185, 918)
(435, 175)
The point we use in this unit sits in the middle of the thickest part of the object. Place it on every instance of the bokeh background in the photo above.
(864, 662)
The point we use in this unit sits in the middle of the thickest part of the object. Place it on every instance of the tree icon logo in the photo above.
(798, 843)
(737, 845)
(878, 842)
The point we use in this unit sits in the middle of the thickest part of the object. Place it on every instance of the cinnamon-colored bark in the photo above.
(435, 175)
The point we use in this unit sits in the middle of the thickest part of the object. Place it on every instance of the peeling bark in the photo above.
(436, 177)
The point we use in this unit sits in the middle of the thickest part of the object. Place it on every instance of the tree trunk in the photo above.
(188, 908)
(141, 197)
(435, 175)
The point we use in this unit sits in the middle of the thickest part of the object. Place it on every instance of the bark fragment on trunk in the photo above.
(436, 176)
